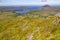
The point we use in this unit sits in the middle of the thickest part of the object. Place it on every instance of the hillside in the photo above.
(34, 25)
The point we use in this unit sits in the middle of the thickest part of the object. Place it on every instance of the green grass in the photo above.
(24, 27)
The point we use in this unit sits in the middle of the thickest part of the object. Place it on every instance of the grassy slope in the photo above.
(13, 27)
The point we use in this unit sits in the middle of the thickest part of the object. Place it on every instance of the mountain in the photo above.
(48, 8)
(17, 8)
(45, 11)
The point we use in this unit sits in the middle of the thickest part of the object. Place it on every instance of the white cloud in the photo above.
(29, 2)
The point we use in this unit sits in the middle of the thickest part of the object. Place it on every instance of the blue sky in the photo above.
(28, 2)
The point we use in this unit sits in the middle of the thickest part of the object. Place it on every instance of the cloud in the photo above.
(29, 2)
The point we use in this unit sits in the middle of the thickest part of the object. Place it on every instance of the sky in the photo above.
(29, 2)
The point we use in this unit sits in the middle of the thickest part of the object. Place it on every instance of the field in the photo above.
(35, 25)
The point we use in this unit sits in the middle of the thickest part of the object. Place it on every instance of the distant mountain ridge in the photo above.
(46, 8)
(19, 9)
(45, 11)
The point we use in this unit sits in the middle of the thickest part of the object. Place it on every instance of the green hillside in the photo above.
(34, 25)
